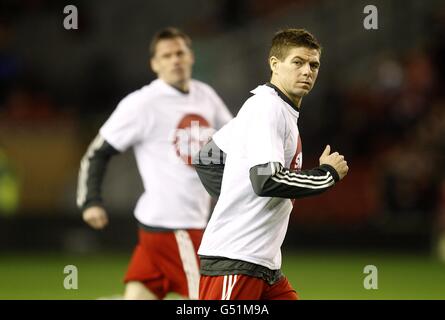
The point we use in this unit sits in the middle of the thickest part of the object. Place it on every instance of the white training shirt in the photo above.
(166, 127)
(243, 225)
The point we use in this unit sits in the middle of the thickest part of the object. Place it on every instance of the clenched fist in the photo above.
(96, 217)
(336, 160)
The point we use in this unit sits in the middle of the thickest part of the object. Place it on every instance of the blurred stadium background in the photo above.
(379, 100)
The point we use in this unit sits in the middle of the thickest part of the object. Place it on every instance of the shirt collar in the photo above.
(283, 96)
(270, 88)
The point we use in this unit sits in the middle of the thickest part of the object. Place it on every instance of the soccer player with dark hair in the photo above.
(165, 122)
(253, 164)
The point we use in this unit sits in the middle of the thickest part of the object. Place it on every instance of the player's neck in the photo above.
(183, 86)
(296, 101)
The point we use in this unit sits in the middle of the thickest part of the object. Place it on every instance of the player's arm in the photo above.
(92, 171)
(127, 126)
(273, 180)
(209, 164)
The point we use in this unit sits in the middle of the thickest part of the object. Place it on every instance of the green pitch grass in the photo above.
(314, 275)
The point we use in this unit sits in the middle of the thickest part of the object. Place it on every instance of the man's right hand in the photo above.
(335, 160)
(96, 217)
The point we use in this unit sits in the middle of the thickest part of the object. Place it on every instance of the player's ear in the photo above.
(153, 65)
(273, 63)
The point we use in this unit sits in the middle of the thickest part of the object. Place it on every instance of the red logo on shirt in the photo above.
(192, 133)
(297, 160)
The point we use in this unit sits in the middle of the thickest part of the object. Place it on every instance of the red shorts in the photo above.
(242, 287)
(167, 262)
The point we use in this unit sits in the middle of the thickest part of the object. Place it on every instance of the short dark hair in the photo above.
(287, 38)
(168, 33)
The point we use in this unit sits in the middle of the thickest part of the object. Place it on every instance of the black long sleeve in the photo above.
(92, 170)
(209, 164)
(273, 180)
